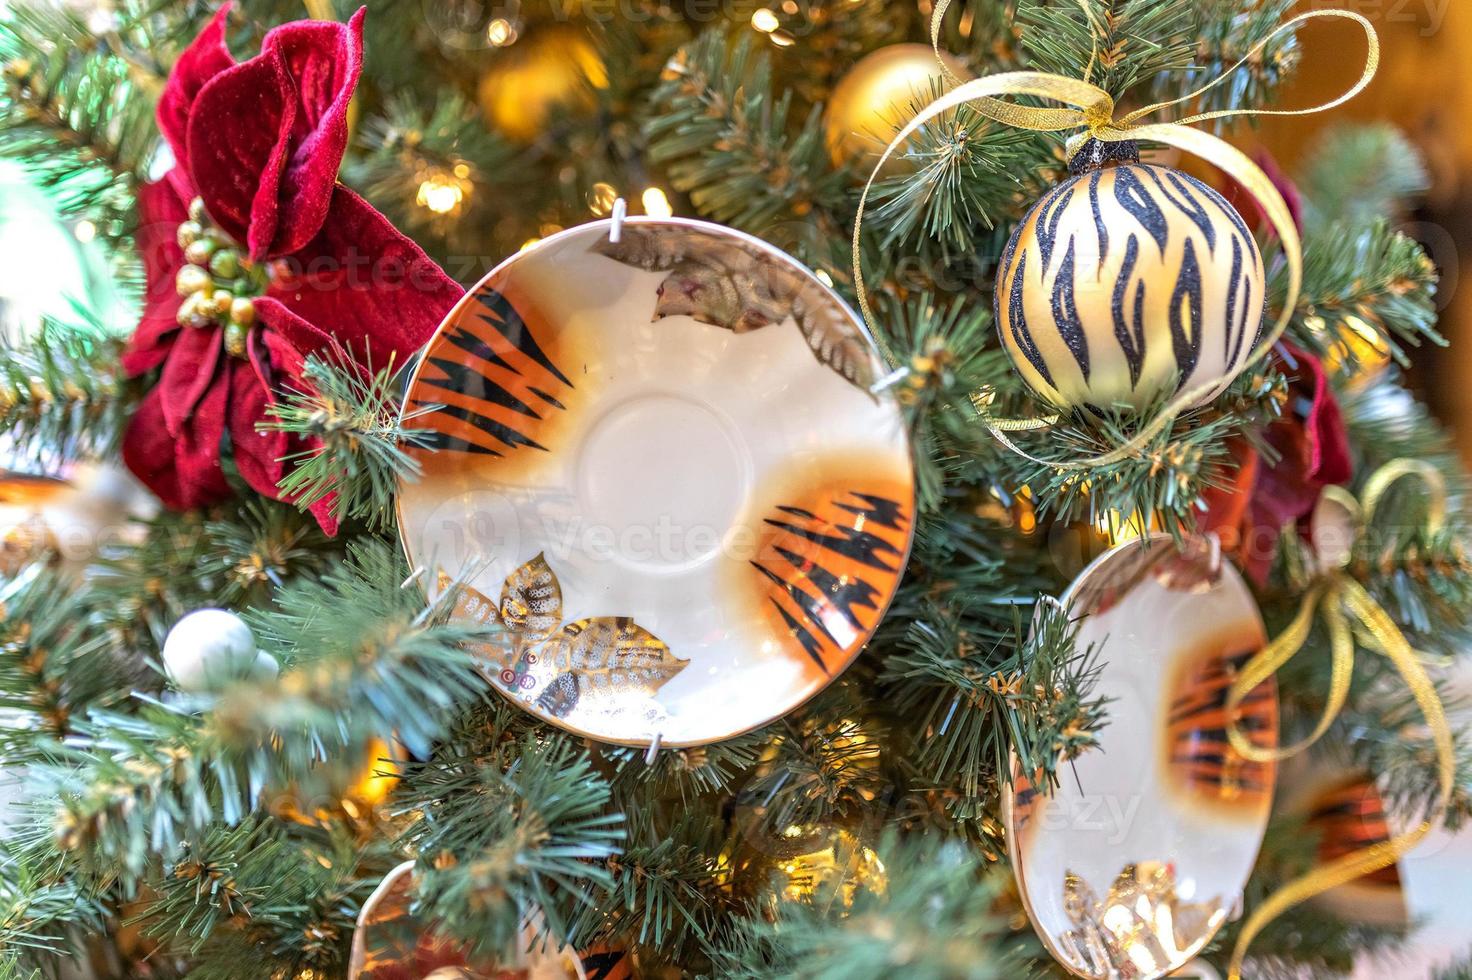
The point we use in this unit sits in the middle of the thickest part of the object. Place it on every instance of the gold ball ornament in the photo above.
(811, 863)
(877, 96)
(1127, 283)
(356, 788)
(550, 69)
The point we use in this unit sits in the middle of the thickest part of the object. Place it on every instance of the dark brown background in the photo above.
(1425, 87)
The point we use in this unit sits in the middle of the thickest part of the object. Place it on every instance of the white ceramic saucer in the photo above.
(663, 462)
(1141, 853)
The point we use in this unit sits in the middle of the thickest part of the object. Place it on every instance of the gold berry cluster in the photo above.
(217, 282)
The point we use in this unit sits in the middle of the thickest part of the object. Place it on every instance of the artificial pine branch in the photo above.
(277, 893)
(259, 548)
(1115, 43)
(959, 173)
(222, 878)
(972, 702)
(666, 898)
(410, 147)
(515, 837)
(42, 911)
(363, 445)
(1223, 33)
(944, 346)
(62, 396)
(52, 666)
(727, 140)
(131, 788)
(682, 774)
(1421, 578)
(139, 589)
(1160, 483)
(76, 111)
(1360, 174)
(1367, 281)
(822, 765)
(931, 920)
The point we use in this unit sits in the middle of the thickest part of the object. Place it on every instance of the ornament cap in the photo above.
(1096, 154)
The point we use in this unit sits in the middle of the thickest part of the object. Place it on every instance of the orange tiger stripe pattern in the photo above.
(1199, 755)
(830, 571)
(1350, 818)
(488, 381)
(602, 963)
(1027, 800)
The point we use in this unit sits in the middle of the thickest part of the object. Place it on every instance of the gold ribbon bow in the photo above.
(1341, 601)
(1092, 111)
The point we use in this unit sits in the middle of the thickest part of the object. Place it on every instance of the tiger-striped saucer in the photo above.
(1132, 864)
(663, 462)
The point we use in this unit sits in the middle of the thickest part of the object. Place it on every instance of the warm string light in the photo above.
(1118, 528)
(501, 33)
(764, 21)
(443, 192)
(656, 204)
(601, 198)
(1353, 348)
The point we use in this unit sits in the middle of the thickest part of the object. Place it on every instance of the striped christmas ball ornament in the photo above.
(1127, 283)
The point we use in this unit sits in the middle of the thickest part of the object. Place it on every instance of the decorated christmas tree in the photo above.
(839, 489)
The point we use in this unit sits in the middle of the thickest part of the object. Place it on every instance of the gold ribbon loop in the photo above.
(1276, 655)
(1372, 65)
(1431, 478)
(1091, 109)
(1346, 607)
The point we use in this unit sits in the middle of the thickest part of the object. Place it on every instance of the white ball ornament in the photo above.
(210, 648)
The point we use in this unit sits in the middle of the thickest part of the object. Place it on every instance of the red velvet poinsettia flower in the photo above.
(1251, 208)
(278, 259)
(1264, 497)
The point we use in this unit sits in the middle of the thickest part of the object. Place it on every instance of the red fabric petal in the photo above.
(183, 472)
(1312, 447)
(257, 454)
(1251, 208)
(1329, 456)
(160, 212)
(188, 374)
(287, 362)
(368, 286)
(290, 338)
(266, 137)
(324, 60)
(205, 58)
(239, 141)
(322, 509)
